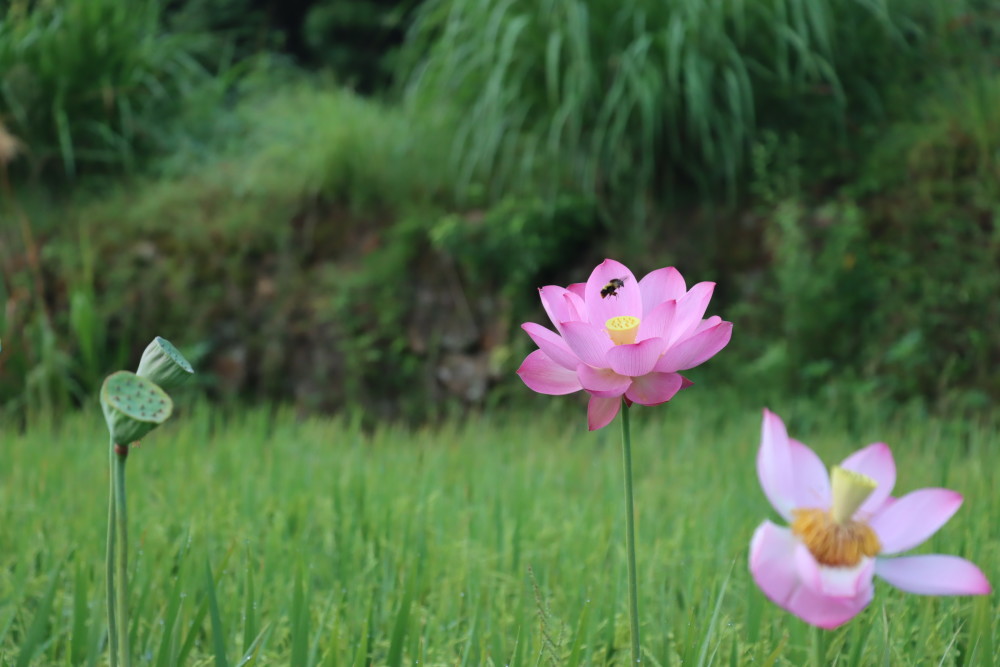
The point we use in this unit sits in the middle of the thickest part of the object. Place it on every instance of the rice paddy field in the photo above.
(257, 538)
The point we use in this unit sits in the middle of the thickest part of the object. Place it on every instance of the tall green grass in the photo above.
(90, 83)
(630, 100)
(262, 539)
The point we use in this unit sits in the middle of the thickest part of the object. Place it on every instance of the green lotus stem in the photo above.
(120, 454)
(112, 630)
(133, 405)
(633, 601)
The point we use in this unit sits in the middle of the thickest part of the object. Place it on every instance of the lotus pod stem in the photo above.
(111, 592)
(121, 558)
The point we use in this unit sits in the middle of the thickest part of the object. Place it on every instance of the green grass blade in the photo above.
(300, 622)
(164, 656)
(79, 643)
(250, 656)
(773, 656)
(136, 614)
(18, 589)
(981, 631)
(249, 608)
(218, 631)
(65, 138)
(37, 631)
(364, 650)
(192, 634)
(582, 632)
(314, 650)
(400, 627)
(712, 623)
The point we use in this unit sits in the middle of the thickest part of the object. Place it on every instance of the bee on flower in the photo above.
(611, 289)
(616, 337)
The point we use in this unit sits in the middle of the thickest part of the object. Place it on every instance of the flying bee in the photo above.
(611, 289)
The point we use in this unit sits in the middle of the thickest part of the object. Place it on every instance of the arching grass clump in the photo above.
(632, 99)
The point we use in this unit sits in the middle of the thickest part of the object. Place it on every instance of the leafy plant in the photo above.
(631, 101)
(89, 83)
(358, 39)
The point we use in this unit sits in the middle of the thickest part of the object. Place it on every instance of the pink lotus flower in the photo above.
(821, 568)
(621, 337)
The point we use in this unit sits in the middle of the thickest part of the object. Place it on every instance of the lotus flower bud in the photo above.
(163, 364)
(133, 406)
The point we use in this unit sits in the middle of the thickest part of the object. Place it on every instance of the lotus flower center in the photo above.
(833, 537)
(622, 329)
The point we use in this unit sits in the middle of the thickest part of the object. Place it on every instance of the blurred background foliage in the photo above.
(348, 204)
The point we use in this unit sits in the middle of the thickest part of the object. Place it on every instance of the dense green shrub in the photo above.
(892, 286)
(933, 194)
(899, 299)
(319, 258)
(357, 39)
(242, 25)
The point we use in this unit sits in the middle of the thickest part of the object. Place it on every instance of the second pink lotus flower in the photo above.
(617, 336)
(842, 527)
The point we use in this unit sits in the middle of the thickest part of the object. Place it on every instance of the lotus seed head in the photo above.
(127, 417)
(163, 364)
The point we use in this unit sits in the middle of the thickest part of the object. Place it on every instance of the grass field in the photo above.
(260, 539)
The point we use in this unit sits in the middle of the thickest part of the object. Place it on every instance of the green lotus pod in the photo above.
(133, 406)
(163, 364)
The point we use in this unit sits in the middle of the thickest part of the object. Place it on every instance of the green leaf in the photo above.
(400, 627)
(39, 627)
(78, 642)
(218, 631)
(299, 621)
(249, 608)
